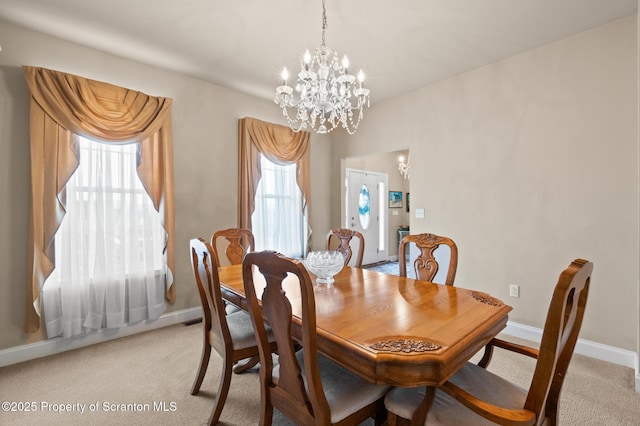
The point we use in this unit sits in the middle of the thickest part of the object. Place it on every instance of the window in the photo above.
(278, 221)
(278, 216)
(109, 265)
(60, 102)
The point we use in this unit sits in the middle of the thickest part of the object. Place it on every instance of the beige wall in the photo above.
(527, 164)
(205, 149)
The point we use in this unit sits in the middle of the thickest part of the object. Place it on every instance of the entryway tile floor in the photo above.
(390, 268)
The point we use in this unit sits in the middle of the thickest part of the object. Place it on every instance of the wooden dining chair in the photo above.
(340, 239)
(236, 242)
(305, 386)
(475, 396)
(426, 266)
(231, 335)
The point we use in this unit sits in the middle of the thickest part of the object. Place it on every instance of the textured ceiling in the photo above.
(243, 44)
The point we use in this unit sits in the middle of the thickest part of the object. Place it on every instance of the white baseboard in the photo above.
(59, 344)
(595, 350)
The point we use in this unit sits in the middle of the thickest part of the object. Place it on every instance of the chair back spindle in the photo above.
(239, 242)
(345, 239)
(425, 265)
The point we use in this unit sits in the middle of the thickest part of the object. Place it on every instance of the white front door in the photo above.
(364, 214)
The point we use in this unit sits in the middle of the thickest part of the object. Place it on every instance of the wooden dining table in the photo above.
(390, 329)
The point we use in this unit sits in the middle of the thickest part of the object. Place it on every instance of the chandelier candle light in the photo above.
(324, 91)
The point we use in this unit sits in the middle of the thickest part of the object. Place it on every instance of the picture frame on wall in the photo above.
(395, 199)
(408, 202)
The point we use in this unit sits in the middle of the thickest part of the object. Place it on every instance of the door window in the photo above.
(364, 207)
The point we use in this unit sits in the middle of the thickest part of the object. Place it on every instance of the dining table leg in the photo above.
(420, 415)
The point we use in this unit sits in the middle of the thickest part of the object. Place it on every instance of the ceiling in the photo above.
(243, 44)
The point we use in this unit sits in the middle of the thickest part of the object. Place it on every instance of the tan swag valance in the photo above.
(63, 108)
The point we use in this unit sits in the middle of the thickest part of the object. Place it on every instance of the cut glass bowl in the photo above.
(324, 265)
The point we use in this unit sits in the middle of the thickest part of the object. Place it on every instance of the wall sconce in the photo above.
(404, 167)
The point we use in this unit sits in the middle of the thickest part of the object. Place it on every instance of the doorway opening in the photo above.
(365, 211)
(392, 201)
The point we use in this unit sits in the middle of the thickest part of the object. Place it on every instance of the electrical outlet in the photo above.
(514, 290)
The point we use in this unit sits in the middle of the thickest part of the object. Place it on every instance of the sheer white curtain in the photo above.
(109, 267)
(278, 221)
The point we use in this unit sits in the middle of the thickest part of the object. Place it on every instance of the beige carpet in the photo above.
(158, 368)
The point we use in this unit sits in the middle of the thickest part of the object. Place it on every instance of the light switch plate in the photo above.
(419, 213)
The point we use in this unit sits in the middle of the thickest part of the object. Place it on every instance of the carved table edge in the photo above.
(486, 299)
(404, 345)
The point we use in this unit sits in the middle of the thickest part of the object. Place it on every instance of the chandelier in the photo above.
(404, 166)
(326, 95)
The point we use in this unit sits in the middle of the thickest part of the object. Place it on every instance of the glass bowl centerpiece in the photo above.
(324, 265)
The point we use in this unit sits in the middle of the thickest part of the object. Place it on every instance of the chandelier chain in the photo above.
(324, 22)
